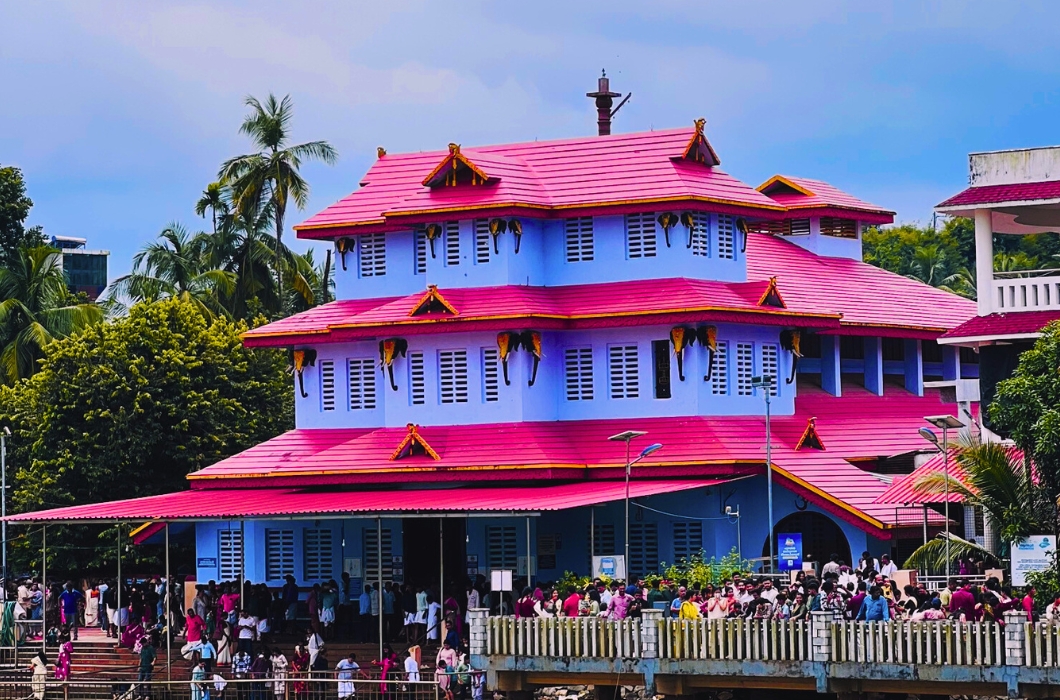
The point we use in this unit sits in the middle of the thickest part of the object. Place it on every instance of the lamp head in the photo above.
(7, 430)
(929, 435)
(650, 448)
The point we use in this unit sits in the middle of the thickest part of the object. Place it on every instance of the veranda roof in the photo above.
(277, 503)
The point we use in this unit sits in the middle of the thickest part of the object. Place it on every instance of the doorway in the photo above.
(821, 536)
(422, 558)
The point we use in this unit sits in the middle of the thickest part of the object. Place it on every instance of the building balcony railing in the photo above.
(1026, 290)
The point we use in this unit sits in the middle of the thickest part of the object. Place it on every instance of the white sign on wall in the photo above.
(1032, 554)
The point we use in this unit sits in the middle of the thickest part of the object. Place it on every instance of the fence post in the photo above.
(1015, 638)
(649, 633)
(478, 618)
(821, 635)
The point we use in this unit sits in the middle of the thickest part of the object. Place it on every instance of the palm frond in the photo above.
(932, 556)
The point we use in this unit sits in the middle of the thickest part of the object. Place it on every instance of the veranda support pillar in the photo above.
(242, 562)
(441, 569)
(379, 579)
(117, 612)
(529, 579)
(984, 261)
(169, 616)
(44, 582)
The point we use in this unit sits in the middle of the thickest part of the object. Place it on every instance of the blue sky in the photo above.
(119, 113)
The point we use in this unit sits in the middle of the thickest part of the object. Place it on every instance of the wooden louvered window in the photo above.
(491, 385)
(451, 243)
(327, 385)
(839, 228)
(640, 236)
(452, 376)
(771, 366)
(744, 369)
(660, 359)
(578, 239)
(419, 240)
(602, 541)
(370, 539)
(372, 255)
(417, 380)
(362, 383)
(687, 540)
(578, 373)
(624, 368)
(786, 227)
(719, 376)
(230, 555)
(279, 554)
(318, 554)
(726, 237)
(483, 244)
(700, 234)
(643, 549)
(501, 547)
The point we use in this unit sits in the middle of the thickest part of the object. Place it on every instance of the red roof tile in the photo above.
(804, 193)
(903, 490)
(867, 296)
(1001, 325)
(996, 194)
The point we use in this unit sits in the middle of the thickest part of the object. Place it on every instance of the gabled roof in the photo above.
(799, 193)
(676, 300)
(696, 447)
(557, 176)
(1015, 193)
(1017, 325)
(872, 300)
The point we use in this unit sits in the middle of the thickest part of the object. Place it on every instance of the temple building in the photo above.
(504, 310)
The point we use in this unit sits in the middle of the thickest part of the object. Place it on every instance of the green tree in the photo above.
(212, 200)
(270, 178)
(129, 407)
(14, 208)
(35, 309)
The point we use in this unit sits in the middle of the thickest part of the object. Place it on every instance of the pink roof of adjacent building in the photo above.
(1017, 325)
(796, 193)
(873, 301)
(695, 447)
(569, 176)
(1021, 192)
(904, 489)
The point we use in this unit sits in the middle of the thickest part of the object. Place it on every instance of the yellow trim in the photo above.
(411, 439)
(831, 499)
(314, 227)
(785, 181)
(143, 527)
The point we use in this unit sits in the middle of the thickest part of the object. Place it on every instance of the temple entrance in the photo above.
(821, 536)
(422, 558)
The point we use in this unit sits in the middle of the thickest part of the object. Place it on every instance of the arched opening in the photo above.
(821, 536)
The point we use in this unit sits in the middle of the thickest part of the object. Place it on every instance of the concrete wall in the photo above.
(1014, 166)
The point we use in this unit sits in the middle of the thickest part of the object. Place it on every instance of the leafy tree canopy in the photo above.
(129, 407)
(14, 208)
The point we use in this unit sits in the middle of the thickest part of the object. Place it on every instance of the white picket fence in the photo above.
(1042, 644)
(738, 639)
(563, 637)
(935, 642)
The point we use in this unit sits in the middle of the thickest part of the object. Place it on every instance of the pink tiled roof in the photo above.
(572, 306)
(1017, 323)
(903, 490)
(549, 175)
(995, 194)
(866, 295)
(695, 447)
(804, 193)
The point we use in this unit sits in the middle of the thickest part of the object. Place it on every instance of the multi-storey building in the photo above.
(504, 310)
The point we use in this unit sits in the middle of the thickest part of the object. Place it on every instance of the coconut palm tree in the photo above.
(271, 176)
(214, 199)
(36, 308)
(928, 264)
(174, 266)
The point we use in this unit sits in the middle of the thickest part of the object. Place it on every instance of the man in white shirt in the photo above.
(248, 627)
(887, 567)
(832, 567)
(768, 592)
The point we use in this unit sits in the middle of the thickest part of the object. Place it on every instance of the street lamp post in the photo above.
(3, 502)
(945, 423)
(627, 437)
(766, 382)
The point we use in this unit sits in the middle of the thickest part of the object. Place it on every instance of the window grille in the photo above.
(279, 554)
(579, 239)
(625, 373)
(319, 556)
(700, 234)
(500, 547)
(660, 360)
(491, 386)
(327, 384)
(640, 235)
(744, 368)
(451, 238)
(603, 541)
(373, 255)
(417, 380)
(799, 227)
(687, 540)
(371, 555)
(771, 366)
(643, 549)
(839, 228)
(362, 383)
(452, 376)
(578, 373)
(419, 239)
(719, 376)
(482, 241)
(726, 238)
(229, 555)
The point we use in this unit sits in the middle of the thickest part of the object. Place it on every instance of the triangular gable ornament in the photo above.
(771, 297)
(432, 301)
(810, 438)
(699, 149)
(455, 169)
(413, 444)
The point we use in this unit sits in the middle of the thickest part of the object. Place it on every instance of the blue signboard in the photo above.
(789, 551)
(207, 563)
